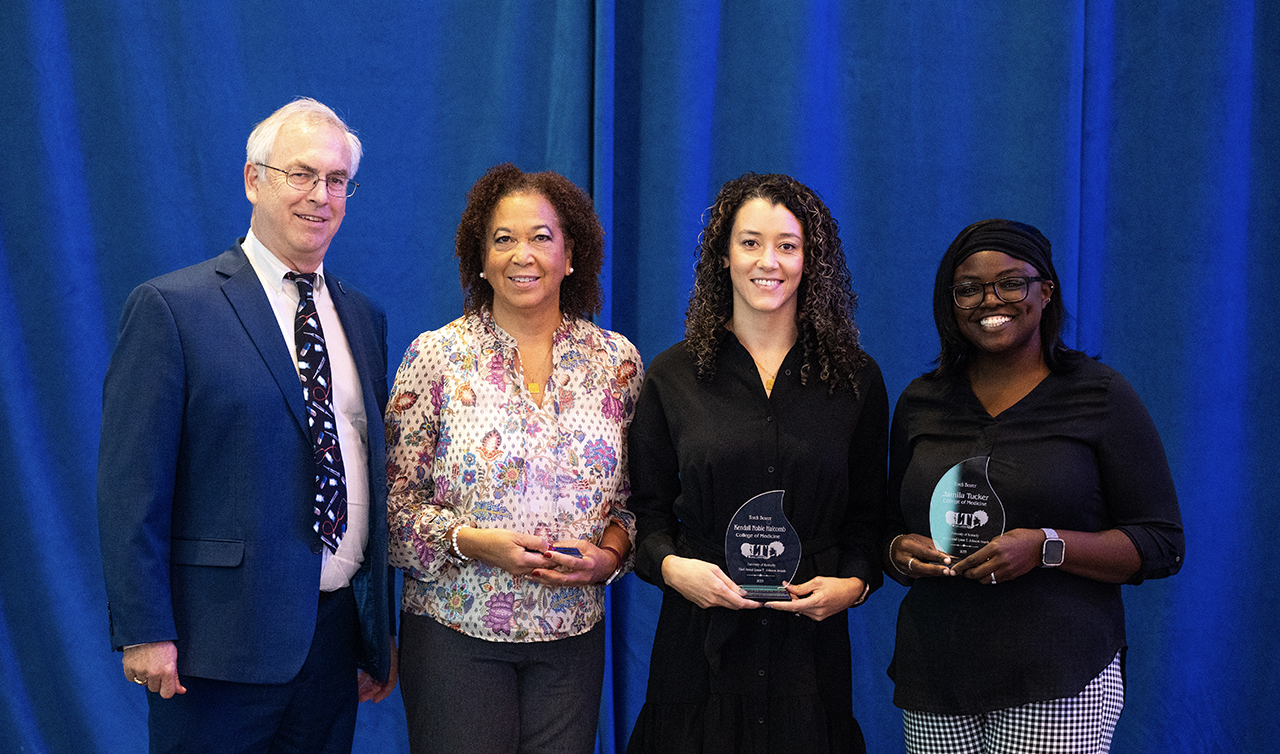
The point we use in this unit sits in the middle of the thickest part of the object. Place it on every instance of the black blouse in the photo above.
(753, 680)
(700, 450)
(1078, 453)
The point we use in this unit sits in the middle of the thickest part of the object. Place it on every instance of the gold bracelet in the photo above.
(893, 562)
(866, 592)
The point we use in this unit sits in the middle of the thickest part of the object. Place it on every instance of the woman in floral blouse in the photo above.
(507, 440)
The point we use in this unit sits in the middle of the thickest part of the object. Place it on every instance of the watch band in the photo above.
(620, 563)
(1052, 542)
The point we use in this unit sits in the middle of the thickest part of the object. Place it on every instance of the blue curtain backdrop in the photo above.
(1141, 137)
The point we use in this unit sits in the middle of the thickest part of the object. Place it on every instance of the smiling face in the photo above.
(526, 257)
(297, 226)
(996, 327)
(766, 259)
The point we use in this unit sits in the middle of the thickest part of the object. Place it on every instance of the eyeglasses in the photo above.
(1010, 290)
(305, 180)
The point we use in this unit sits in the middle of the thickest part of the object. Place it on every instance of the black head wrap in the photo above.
(1021, 242)
(1016, 239)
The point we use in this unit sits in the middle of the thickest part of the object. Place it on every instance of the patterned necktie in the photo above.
(317, 393)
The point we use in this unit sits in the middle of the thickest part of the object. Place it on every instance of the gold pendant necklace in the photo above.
(534, 386)
(768, 378)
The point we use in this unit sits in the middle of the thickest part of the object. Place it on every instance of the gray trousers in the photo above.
(463, 694)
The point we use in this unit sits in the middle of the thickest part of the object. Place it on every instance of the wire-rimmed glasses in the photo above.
(337, 185)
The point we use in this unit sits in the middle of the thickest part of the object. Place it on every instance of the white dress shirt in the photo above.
(337, 568)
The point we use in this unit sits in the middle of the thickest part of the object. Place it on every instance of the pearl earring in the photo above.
(482, 276)
(570, 271)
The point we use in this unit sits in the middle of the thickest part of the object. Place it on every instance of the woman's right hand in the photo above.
(509, 550)
(914, 556)
(704, 584)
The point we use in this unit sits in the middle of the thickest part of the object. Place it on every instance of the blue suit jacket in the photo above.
(205, 476)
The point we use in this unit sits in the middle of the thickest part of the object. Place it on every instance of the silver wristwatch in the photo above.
(1054, 550)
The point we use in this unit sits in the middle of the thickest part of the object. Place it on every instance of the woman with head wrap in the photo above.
(1026, 484)
(768, 391)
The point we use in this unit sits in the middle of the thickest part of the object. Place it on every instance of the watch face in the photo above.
(1053, 552)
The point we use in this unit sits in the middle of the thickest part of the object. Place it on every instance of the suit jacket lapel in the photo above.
(360, 338)
(244, 290)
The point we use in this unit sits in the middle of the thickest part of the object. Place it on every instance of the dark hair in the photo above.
(1020, 241)
(825, 300)
(580, 294)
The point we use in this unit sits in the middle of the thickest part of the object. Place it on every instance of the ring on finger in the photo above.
(140, 681)
(911, 564)
(993, 577)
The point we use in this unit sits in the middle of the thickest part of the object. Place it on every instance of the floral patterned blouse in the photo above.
(466, 444)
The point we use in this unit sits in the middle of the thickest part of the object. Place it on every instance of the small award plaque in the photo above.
(761, 548)
(965, 513)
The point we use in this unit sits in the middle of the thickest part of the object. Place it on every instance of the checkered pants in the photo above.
(1081, 724)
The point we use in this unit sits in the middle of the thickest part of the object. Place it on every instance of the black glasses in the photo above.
(305, 180)
(1010, 290)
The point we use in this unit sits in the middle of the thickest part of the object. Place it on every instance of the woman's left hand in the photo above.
(822, 596)
(1004, 558)
(593, 567)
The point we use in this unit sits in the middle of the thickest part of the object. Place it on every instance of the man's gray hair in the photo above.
(263, 138)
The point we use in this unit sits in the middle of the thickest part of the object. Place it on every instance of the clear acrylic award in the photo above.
(965, 513)
(761, 548)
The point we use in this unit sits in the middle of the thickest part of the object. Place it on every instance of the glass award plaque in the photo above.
(761, 548)
(965, 513)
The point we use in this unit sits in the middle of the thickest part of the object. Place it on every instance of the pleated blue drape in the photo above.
(1142, 138)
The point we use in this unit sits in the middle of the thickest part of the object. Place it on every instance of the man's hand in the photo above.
(373, 691)
(155, 666)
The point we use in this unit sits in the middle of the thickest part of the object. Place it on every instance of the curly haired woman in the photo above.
(769, 391)
(507, 461)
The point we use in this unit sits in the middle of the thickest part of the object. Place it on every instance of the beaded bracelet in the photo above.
(453, 536)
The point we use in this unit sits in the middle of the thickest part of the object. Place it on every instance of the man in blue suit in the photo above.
(245, 555)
